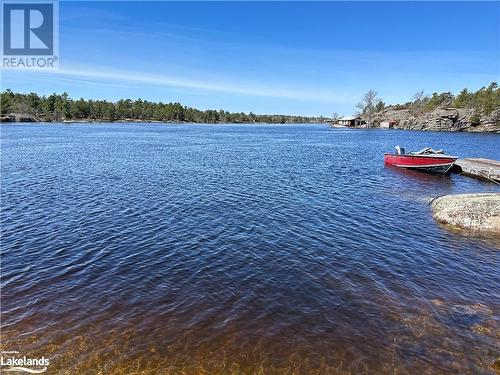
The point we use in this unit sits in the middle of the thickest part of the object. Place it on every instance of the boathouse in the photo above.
(388, 124)
(349, 121)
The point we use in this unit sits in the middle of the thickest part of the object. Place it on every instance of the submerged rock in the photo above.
(466, 315)
(496, 365)
(471, 212)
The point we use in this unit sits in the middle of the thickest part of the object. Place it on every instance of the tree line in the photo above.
(483, 101)
(60, 107)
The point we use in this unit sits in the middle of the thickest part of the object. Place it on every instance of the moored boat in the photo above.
(426, 159)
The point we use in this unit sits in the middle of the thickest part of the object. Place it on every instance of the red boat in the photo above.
(427, 160)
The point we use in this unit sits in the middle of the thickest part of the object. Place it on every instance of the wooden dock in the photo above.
(484, 169)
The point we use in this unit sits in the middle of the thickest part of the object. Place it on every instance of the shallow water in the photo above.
(152, 248)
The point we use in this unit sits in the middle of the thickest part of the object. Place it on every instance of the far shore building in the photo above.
(349, 121)
(388, 124)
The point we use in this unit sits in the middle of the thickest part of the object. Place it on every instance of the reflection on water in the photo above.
(155, 248)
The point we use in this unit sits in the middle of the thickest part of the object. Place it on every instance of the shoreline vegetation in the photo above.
(17, 107)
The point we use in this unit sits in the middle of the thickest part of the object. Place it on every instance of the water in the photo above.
(129, 248)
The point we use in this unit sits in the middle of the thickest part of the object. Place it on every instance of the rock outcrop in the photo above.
(18, 117)
(476, 213)
(442, 119)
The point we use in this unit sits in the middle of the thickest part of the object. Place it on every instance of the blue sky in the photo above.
(308, 58)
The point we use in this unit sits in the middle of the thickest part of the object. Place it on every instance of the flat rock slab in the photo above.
(471, 212)
(485, 169)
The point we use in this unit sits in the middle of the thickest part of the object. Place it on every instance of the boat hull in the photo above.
(428, 163)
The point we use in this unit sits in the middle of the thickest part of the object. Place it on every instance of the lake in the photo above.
(159, 248)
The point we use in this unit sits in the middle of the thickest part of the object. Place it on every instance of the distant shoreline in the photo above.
(22, 107)
(329, 124)
(141, 121)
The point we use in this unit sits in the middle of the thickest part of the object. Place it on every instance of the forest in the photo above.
(60, 107)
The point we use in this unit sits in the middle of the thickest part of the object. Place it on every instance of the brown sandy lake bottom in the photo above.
(190, 249)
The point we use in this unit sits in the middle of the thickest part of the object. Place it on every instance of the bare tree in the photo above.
(366, 107)
(335, 117)
(418, 97)
(418, 100)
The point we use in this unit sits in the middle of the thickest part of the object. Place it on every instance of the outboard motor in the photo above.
(400, 150)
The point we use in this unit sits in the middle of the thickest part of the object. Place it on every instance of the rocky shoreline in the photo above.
(19, 117)
(441, 119)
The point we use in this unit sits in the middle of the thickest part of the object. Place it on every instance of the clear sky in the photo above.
(308, 58)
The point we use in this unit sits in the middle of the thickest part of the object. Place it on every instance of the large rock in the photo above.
(7, 118)
(471, 212)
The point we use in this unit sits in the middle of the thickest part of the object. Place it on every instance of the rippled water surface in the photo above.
(153, 248)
